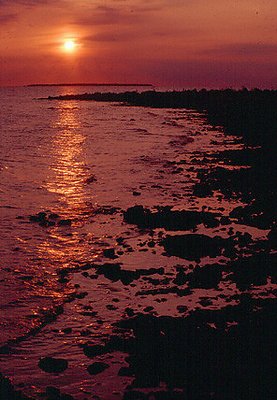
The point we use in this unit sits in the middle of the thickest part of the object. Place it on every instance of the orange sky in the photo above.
(187, 43)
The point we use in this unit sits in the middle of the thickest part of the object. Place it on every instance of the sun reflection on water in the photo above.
(67, 149)
(67, 177)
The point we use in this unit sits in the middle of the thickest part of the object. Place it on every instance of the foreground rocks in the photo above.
(206, 354)
(194, 247)
(168, 219)
(53, 365)
(7, 391)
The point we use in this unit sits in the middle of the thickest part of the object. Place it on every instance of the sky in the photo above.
(176, 43)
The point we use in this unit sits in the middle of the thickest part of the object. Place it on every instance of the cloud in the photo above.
(6, 18)
(106, 15)
(244, 50)
(23, 2)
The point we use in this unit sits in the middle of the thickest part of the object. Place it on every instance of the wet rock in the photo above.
(272, 238)
(181, 277)
(129, 311)
(254, 270)
(53, 216)
(202, 190)
(205, 302)
(194, 246)
(148, 309)
(168, 290)
(134, 395)
(67, 330)
(171, 395)
(52, 393)
(7, 391)
(111, 307)
(85, 332)
(47, 223)
(125, 372)
(97, 368)
(91, 179)
(66, 397)
(225, 221)
(93, 351)
(47, 219)
(176, 351)
(53, 365)
(168, 219)
(109, 253)
(115, 273)
(207, 277)
(5, 349)
(182, 309)
(81, 295)
(65, 222)
(39, 217)
(254, 215)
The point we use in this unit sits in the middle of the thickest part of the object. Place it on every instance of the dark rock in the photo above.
(7, 391)
(129, 311)
(97, 368)
(66, 397)
(254, 270)
(109, 253)
(202, 190)
(168, 219)
(193, 246)
(39, 217)
(207, 277)
(91, 179)
(65, 222)
(134, 395)
(182, 309)
(176, 351)
(53, 216)
(52, 393)
(272, 238)
(5, 349)
(115, 273)
(81, 295)
(55, 365)
(125, 372)
(181, 278)
(148, 309)
(225, 221)
(111, 307)
(93, 351)
(67, 330)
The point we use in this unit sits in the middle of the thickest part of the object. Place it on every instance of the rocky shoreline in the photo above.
(216, 339)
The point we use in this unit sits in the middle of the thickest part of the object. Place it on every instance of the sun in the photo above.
(69, 45)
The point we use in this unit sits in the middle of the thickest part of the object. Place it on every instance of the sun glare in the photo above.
(69, 46)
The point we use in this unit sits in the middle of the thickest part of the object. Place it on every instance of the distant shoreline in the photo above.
(89, 84)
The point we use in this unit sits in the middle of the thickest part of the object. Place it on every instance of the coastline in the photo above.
(212, 253)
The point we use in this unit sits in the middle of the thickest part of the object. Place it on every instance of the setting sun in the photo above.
(69, 45)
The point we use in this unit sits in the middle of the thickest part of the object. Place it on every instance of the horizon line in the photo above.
(88, 84)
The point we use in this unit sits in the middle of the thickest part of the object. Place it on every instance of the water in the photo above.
(88, 162)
